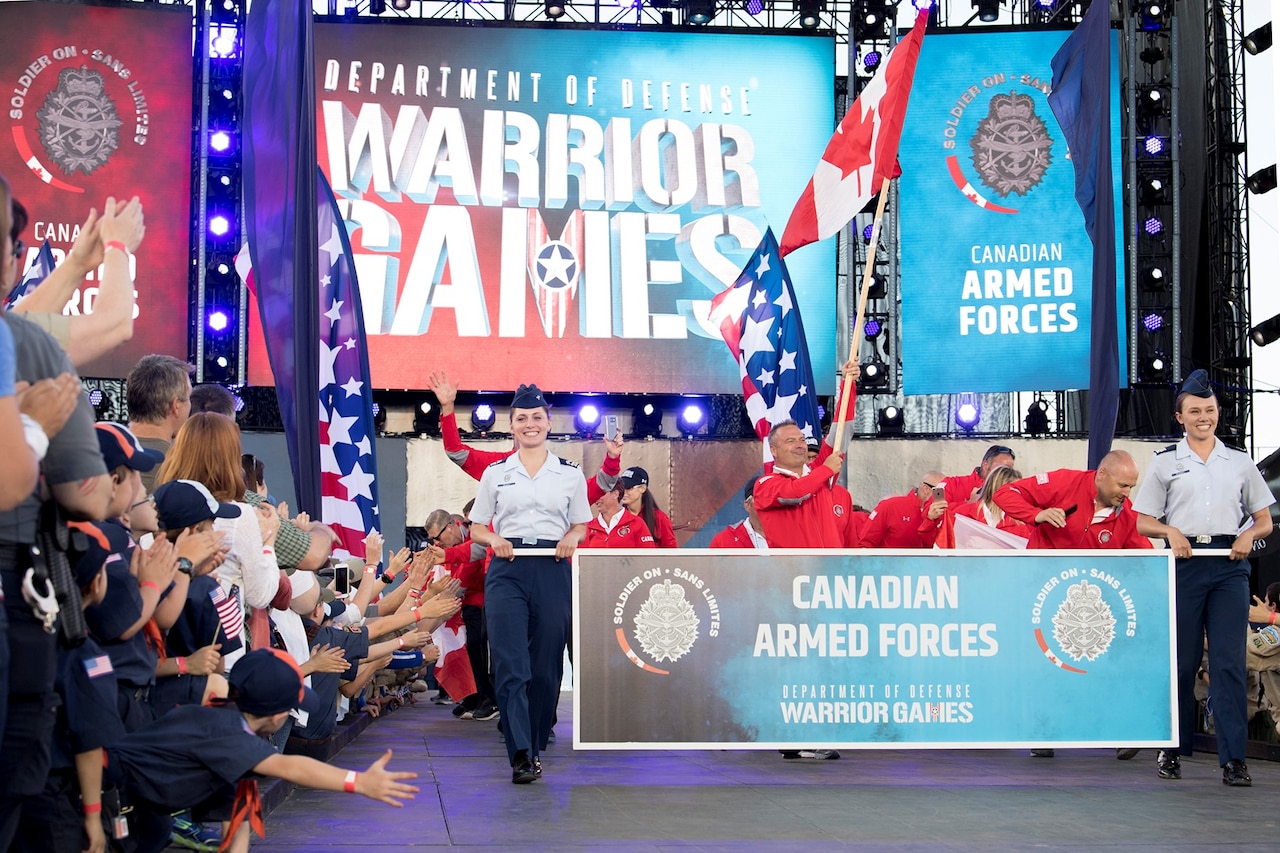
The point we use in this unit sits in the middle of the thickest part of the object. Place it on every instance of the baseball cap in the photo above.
(119, 447)
(97, 545)
(267, 682)
(182, 503)
(635, 476)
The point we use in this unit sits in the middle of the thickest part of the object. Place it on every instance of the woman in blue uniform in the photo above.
(1201, 494)
(535, 502)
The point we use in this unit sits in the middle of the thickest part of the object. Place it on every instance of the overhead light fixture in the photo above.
(1258, 40)
(1262, 181)
(426, 418)
(1266, 332)
(1156, 368)
(401, 5)
(101, 403)
(483, 417)
(692, 420)
(1037, 421)
(968, 413)
(699, 11)
(810, 13)
(889, 421)
(587, 419)
(646, 421)
(379, 415)
(1153, 279)
(875, 374)
(988, 10)
(556, 8)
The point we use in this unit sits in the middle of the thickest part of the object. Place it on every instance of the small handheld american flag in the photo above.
(230, 611)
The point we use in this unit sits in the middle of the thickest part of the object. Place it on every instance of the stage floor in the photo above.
(869, 800)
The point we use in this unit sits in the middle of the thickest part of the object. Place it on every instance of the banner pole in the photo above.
(867, 271)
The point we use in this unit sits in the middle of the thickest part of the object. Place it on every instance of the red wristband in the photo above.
(1272, 620)
(417, 617)
(115, 244)
(349, 784)
(401, 642)
(92, 808)
(182, 665)
(151, 584)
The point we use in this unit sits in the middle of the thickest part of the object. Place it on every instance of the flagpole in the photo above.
(867, 271)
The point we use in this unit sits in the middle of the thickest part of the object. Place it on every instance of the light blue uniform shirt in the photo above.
(1199, 497)
(521, 507)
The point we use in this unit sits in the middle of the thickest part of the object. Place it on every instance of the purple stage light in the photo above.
(222, 41)
(871, 60)
(239, 404)
(1153, 322)
(1153, 145)
(218, 320)
(587, 418)
(967, 415)
(693, 415)
(755, 7)
(95, 397)
(866, 232)
(872, 328)
(219, 225)
(219, 140)
(1153, 226)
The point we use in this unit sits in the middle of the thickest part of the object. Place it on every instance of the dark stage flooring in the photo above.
(722, 801)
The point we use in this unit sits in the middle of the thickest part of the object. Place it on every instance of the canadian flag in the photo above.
(453, 668)
(862, 153)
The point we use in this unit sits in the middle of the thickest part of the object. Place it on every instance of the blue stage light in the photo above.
(587, 419)
(968, 413)
(483, 417)
(693, 417)
(218, 320)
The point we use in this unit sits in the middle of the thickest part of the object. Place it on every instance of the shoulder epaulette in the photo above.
(564, 461)
(496, 463)
(1167, 449)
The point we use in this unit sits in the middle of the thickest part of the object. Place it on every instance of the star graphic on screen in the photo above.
(557, 266)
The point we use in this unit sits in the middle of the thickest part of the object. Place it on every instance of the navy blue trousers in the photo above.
(1213, 597)
(527, 607)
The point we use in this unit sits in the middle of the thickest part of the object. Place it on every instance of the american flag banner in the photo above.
(230, 611)
(453, 668)
(348, 464)
(96, 667)
(760, 322)
(38, 272)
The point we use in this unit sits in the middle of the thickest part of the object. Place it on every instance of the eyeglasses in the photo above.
(435, 539)
(999, 450)
(149, 499)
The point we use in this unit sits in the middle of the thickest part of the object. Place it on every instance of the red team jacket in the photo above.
(1025, 498)
(468, 561)
(898, 522)
(733, 536)
(806, 511)
(629, 532)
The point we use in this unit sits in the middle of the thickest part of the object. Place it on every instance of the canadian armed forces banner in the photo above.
(873, 649)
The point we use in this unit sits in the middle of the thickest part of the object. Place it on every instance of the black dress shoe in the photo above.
(537, 767)
(1236, 774)
(1168, 765)
(522, 772)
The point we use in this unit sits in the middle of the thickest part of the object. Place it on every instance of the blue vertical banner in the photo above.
(997, 267)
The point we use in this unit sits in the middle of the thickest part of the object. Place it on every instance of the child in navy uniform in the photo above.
(67, 814)
(207, 758)
(195, 643)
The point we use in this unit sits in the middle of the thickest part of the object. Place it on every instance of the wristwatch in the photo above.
(185, 566)
(388, 578)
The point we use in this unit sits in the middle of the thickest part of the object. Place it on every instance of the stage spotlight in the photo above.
(699, 11)
(968, 413)
(401, 5)
(1153, 191)
(754, 7)
(1262, 181)
(377, 7)
(1156, 368)
(220, 141)
(379, 418)
(1153, 145)
(871, 60)
(1152, 12)
(1266, 332)
(872, 329)
(239, 403)
(810, 13)
(889, 421)
(646, 421)
(101, 404)
(219, 225)
(1153, 279)
(556, 8)
(988, 10)
(875, 374)
(1258, 40)
(1037, 421)
(222, 41)
(692, 420)
(1153, 322)
(483, 417)
(587, 419)
(218, 320)
(1153, 226)
(426, 418)
(876, 289)
(1151, 54)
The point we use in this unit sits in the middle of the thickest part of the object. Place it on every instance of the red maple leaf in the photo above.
(850, 149)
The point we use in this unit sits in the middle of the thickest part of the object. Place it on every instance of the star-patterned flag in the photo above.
(862, 153)
(38, 272)
(760, 322)
(348, 465)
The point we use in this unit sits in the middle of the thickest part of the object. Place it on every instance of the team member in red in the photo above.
(473, 461)
(797, 504)
(960, 488)
(984, 510)
(637, 498)
(616, 526)
(746, 533)
(907, 521)
(1079, 509)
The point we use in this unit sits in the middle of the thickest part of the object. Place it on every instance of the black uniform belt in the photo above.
(1210, 540)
